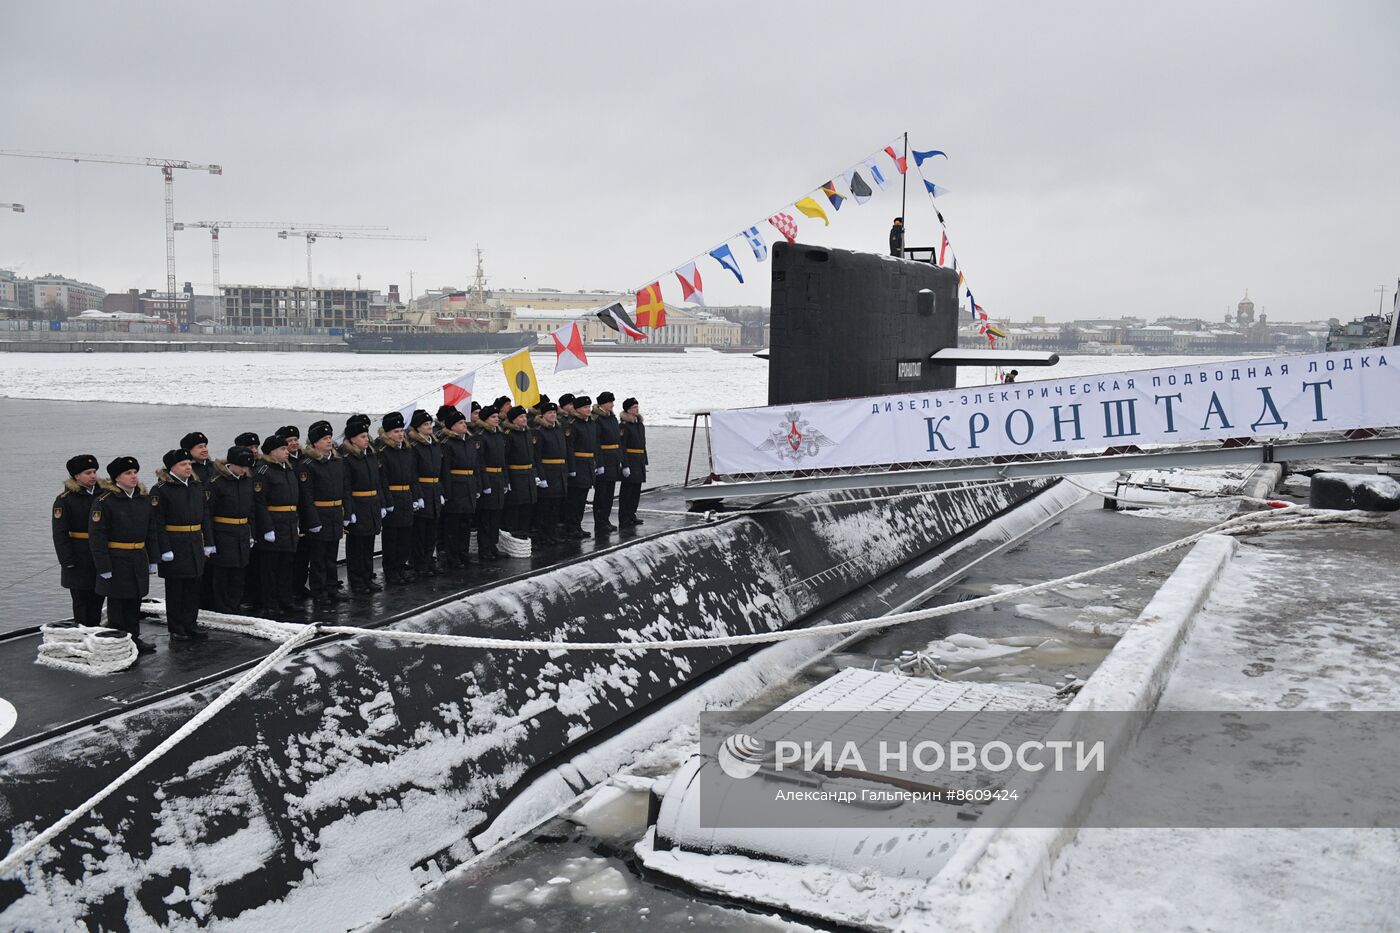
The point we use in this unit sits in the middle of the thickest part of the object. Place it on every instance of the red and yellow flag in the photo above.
(651, 310)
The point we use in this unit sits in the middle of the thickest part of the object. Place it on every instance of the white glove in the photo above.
(418, 504)
(442, 500)
(486, 492)
(354, 518)
(572, 473)
(151, 569)
(209, 549)
(314, 531)
(167, 556)
(271, 536)
(387, 508)
(598, 472)
(507, 487)
(383, 512)
(106, 576)
(626, 472)
(543, 484)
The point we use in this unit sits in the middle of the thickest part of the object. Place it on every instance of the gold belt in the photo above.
(77, 534)
(609, 446)
(427, 479)
(184, 528)
(636, 450)
(327, 503)
(291, 508)
(396, 489)
(231, 521)
(522, 466)
(553, 462)
(585, 455)
(126, 545)
(462, 472)
(367, 493)
(493, 469)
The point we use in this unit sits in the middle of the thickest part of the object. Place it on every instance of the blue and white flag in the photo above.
(756, 243)
(934, 191)
(725, 258)
(921, 157)
(875, 173)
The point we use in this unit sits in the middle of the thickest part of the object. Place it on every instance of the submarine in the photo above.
(360, 768)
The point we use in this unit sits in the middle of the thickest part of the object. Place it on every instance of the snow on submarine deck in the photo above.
(358, 768)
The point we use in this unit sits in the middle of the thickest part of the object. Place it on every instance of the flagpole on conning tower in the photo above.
(904, 195)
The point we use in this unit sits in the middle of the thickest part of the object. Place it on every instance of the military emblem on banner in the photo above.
(795, 439)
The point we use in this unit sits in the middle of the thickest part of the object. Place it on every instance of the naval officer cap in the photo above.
(629, 403)
(443, 410)
(289, 431)
(80, 463)
(419, 417)
(451, 417)
(172, 457)
(248, 439)
(242, 456)
(277, 440)
(582, 401)
(515, 412)
(357, 425)
(193, 440)
(548, 406)
(391, 421)
(319, 430)
(120, 465)
(566, 399)
(605, 397)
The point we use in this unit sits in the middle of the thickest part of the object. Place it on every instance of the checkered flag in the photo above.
(785, 225)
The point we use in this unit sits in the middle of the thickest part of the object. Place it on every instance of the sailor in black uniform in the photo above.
(185, 539)
(250, 440)
(398, 485)
(302, 562)
(610, 459)
(121, 532)
(198, 445)
(427, 509)
(581, 439)
(277, 489)
(492, 448)
(634, 463)
(364, 505)
(461, 483)
(322, 509)
(230, 495)
(521, 490)
(551, 472)
(71, 511)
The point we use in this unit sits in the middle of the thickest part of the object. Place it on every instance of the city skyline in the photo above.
(1101, 161)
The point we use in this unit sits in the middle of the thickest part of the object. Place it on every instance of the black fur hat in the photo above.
(629, 403)
(175, 456)
(242, 456)
(319, 430)
(80, 463)
(248, 439)
(391, 421)
(419, 417)
(452, 416)
(193, 439)
(120, 465)
(273, 442)
(289, 431)
(515, 412)
(582, 401)
(605, 397)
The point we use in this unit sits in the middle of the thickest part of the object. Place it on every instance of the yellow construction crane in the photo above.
(312, 236)
(214, 226)
(167, 168)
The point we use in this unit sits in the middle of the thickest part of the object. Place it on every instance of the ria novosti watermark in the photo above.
(1190, 769)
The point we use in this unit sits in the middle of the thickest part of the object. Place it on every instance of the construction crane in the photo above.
(214, 226)
(313, 235)
(17, 208)
(167, 168)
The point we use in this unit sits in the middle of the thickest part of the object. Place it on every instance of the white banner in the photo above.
(1241, 398)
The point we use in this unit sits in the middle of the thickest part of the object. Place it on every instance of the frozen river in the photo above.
(670, 385)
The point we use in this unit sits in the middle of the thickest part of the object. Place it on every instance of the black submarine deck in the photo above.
(50, 701)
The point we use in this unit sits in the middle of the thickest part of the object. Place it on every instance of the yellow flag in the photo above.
(812, 209)
(520, 376)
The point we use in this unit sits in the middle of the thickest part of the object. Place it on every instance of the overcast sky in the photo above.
(1104, 158)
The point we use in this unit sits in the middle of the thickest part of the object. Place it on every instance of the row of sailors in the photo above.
(267, 520)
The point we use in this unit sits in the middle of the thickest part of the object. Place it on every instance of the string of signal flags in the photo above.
(852, 184)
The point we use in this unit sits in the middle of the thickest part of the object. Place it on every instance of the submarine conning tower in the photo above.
(847, 324)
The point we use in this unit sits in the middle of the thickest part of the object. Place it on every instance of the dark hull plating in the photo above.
(359, 769)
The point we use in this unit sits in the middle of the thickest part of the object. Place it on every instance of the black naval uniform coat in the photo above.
(427, 458)
(276, 501)
(121, 532)
(491, 445)
(581, 438)
(551, 459)
(231, 517)
(182, 526)
(323, 495)
(461, 474)
(71, 512)
(398, 482)
(634, 449)
(362, 491)
(609, 447)
(520, 465)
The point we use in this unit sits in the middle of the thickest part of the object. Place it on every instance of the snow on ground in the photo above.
(670, 385)
(1303, 621)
